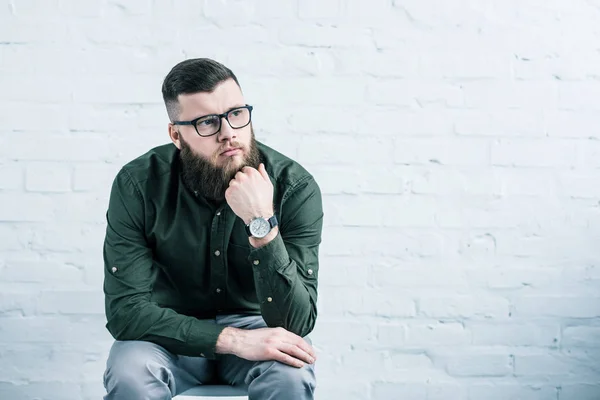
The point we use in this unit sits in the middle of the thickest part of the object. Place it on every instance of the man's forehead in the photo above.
(225, 96)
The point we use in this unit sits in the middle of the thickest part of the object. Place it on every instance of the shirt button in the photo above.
(218, 213)
(217, 253)
(218, 290)
(114, 269)
(310, 271)
(269, 299)
(256, 262)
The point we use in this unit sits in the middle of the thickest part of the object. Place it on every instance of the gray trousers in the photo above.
(144, 370)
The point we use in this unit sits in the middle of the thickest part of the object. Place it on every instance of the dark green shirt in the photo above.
(173, 260)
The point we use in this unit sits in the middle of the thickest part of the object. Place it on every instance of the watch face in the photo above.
(259, 227)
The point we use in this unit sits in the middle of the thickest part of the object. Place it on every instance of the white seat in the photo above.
(215, 392)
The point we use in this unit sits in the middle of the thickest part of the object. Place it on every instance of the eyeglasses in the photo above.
(209, 125)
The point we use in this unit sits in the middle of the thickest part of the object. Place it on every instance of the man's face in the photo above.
(216, 149)
(210, 162)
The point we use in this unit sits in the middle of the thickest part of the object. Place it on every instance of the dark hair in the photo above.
(192, 76)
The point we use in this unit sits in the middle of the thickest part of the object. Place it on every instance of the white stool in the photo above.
(213, 392)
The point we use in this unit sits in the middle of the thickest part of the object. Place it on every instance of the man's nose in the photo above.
(226, 132)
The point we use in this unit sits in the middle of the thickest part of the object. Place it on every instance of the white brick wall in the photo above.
(456, 144)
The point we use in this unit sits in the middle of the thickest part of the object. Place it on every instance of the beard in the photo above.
(205, 177)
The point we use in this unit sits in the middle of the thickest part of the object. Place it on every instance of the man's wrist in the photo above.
(228, 340)
(260, 242)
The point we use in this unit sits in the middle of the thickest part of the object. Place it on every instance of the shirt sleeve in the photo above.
(129, 275)
(286, 269)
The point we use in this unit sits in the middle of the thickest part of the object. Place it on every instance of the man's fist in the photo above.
(250, 194)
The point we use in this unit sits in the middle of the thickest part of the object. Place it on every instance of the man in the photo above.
(211, 253)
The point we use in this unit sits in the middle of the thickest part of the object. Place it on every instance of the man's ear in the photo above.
(174, 135)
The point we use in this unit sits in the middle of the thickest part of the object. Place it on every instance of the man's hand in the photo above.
(250, 194)
(265, 344)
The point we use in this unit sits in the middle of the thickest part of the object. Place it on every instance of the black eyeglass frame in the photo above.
(220, 117)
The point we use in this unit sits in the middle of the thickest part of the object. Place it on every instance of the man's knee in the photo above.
(291, 379)
(137, 369)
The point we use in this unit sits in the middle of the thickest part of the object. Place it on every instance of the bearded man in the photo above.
(211, 253)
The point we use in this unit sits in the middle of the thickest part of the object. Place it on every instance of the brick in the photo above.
(557, 306)
(54, 329)
(330, 120)
(15, 303)
(578, 95)
(22, 30)
(578, 184)
(524, 182)
(344, 271)
(513, 334)
(534, 153)
(548, 365)
(484, 212)
(48, 89)
(463, 307)
(314, 9)
(48, 177)
(342, 91)
(581, 336)
(342, 332)
(516, 276)
(224, 14)
(419, 389)
(411, 93)
(389, 335)
(343, 301)
(579, 391)
(341, 150)
(511, 391)
(528, 95)
(117, 89)
(94, 177)
(478, 365)
(39, 390)
(437, 334)
(81, 207)
(334, 179)
(469, 59)
(324, 36)
(456, 181)
(442, 151)
(380, 63)
(417, 275)
(30, 207)
(410, 361)
(41, 272)
(68, 237)
(389, 390)
(500, 123)
(48, 118)
(361, 241)
(53, 147)
(45, 364)
(406, 123)
(12, 176)
(573, 124)
(88, 302)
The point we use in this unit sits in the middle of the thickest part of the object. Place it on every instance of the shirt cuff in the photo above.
(273, 254)
(203, 337)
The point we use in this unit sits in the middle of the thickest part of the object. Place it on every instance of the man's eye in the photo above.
(206, 122)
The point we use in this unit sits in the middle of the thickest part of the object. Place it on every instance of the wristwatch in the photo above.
(260, 227)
